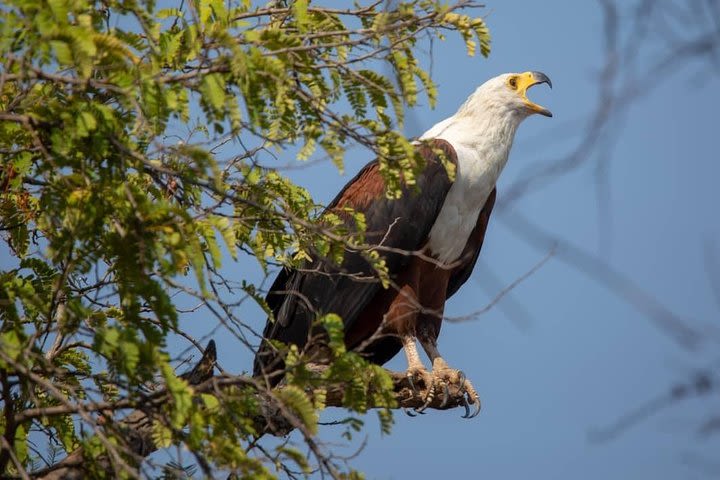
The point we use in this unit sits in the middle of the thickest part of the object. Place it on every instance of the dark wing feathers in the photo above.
(297, 297)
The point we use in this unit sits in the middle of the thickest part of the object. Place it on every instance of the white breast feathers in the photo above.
(482, 141)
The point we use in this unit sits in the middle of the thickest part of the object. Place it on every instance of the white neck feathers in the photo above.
(481, 132)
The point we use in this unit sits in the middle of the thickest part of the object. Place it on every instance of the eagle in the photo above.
(429, 238)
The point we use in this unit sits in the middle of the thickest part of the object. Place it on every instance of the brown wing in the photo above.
(297, 297)
(472, 249)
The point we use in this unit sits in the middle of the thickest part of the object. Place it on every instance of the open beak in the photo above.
(527, 80)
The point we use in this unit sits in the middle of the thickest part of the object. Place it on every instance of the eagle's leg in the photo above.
(417, 369)
(444, 375)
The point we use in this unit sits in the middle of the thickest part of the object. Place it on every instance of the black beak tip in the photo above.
(542, 78)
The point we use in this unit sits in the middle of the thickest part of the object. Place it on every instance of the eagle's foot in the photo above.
(436, 383)
(450, 376)
(414, 374)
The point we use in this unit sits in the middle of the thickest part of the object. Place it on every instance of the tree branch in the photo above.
(272, 419)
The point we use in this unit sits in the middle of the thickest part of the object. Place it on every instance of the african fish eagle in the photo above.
(430, 239)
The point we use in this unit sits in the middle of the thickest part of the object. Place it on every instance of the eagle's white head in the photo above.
(506, 94)
(495, 107)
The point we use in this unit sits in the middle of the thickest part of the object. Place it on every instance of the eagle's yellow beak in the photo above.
(526, 80)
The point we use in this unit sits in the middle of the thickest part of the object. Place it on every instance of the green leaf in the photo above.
(300, 10)
(11, 344)
(296, 400)
(161, 435)
(211, 402)
(213, 90)
(181, 394)
(65, 428)
(336, 333)
(20, 444)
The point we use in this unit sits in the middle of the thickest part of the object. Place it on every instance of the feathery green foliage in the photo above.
(118, 197)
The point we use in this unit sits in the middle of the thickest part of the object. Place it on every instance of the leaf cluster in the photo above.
(118, 199)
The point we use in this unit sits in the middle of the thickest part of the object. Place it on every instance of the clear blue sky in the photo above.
(563, 355)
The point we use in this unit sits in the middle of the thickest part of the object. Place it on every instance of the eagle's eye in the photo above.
(513, 82)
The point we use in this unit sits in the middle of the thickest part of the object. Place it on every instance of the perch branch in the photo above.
(272, 419)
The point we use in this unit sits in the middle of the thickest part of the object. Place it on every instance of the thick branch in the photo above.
(138, 426)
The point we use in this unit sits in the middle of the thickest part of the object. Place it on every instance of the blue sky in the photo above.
(563, 355)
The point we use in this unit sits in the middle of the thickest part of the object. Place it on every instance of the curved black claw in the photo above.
(467, 408)
(477, 409)
(421, 408)
(409, 412)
